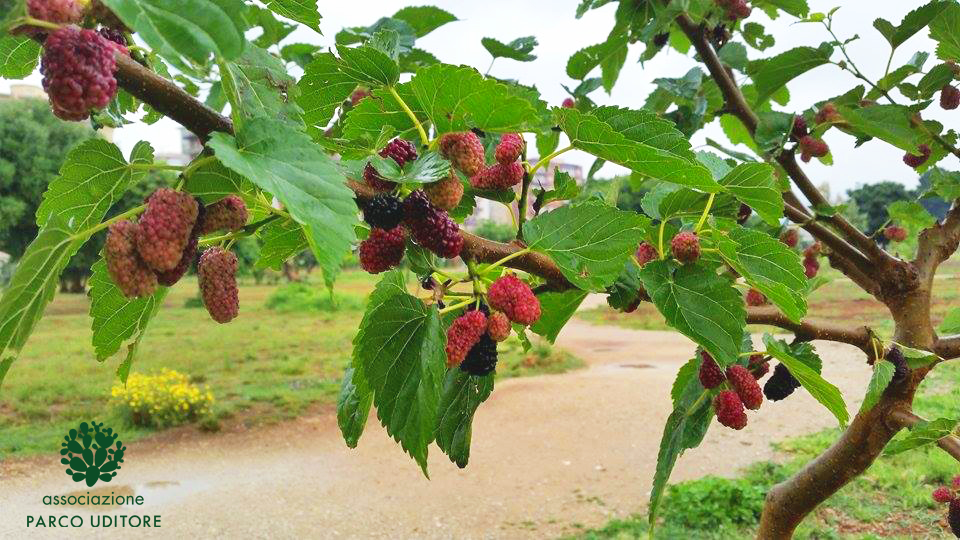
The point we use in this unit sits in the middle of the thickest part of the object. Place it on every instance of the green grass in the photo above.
(891, 500)
(266, 366)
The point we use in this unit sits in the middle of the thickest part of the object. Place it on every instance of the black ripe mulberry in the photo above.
(132, 276)
(482, 358)
(383, 211)
(77, 67)
(781, 384)
(901, 369)
(217, 274)
(382, 250)
(431, 227)
(166, 227)
(227, 214)
(950, 97)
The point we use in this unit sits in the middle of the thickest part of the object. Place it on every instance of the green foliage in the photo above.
(492, 230)
(305, 297)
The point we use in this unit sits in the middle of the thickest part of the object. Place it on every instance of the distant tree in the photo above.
(873, 201)
(498, 232)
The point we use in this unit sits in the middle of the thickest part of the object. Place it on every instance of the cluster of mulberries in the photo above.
(744, 392)
(950, 97)
(507, 171)
(916, 160)
(781, 384)
(472, 341)
(735, 9)
(77, 67)
(515, 299)
(685, 247)
(217, 275)
(948, 495)
(401, 151)
(431, 227)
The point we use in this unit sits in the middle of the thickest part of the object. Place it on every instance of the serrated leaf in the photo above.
(609, 56)
(18, 56)
(457, 98)
(797, 8)
(827, 394)
(592, 134)
(279, 241)
(646, 128)
(401, 352)
(257, 84)
(889, 123)
(353, 407)
(589, 242)
(302, 11)
(428, 168)
(556, 310)
(772, 74)
(518, 49)
(565, 188)
(424, 19)
(699, 304)
(911, 213)
(917, 358)
(943, 30)
(461, 396)
(920, 435)
(931, 83)
(754, 184)
(951, 323)
(912, 23)
(372, 116)
(287, 164)
(882, 375)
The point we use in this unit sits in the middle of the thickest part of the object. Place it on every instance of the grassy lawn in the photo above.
(892, 500)
(265, 366)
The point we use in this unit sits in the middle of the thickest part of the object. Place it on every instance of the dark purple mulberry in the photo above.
(431, 227)
(781, 384)
(383, 211)
(77, 69)
(482, 358)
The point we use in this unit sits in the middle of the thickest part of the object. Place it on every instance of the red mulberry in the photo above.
(790, 237)
(55, 11)
(895, 233)
(132, 276)
(165, 228)
(373, 179)
(382, 250)
(686, 247)
(77, 69)
(170, 278)
(942, 495)
(445, 194)
(498, 176)
(756, 298)
(569, 103)
(229, 214)
(498, 326)
(710, 374)
(509, 149)
(217, 274)
(464, 150)
(758, 366)
(811, 267)
(799, 129)
(916, 160)
(730, 410)
(463, 334)
(812, 148)
(646, 253)
(746, 386)
(514, 298)
(400, 150)
(431, 227)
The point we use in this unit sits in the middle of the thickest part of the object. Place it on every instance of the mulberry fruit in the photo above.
(781, 384)
(730, 410)
(77, 69)
(170, 278)
(942, 495)
(383, 212)
(949, 97)
(400, 150)
(746, 386)
(217, 274)
(646, 253)
(916, 160)
(165, 228)
(813, 250)
(828, 114)
(953, 517)
(710, 375)
(799, 129)
(509, 149)
(569, 103)
(895, 233)
(811, 267)
(498, 326)
(358, 95)
(514, 298)
(482, 358)
(228, 214)
(464, 150)
(758, 366)
(55, 11)
(446, 193)
(744, 213)
(812, 148)
(374, 179)
(116, 36)
(131, 275)
(463, 334)
(790, 237)
(901, 369)
(498, 176)
(382, 250)
(756, 298)
(686, 247)
(431, 227)
(661, 39)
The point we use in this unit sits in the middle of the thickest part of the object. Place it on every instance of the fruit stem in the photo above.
(507, 259)
(478, 288)
(663, 252)
(456, 306)
(97, 228)
(706, 212)
(547, 159)
(30, 21)
(247, 230)
(406, 108)
(155, 167)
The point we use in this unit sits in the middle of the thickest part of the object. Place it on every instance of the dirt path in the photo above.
(548, 452)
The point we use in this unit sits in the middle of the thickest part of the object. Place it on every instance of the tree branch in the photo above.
(859, 336)
(948, 348)
(905, 418)
(938, 243)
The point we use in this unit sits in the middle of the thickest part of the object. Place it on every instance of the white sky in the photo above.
(560, 35)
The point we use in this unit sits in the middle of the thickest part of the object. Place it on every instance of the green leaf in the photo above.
(353, 407)
(424, 19)
(699, 304)
(609, 55)
(797, 8)
(457, 98)
(565, 188)
(461, 396)
(518, 49)
(769, 266)
(323, 88)
(674, 164)
(280, 240)
(557, 308)
(951, 323)
(257, 84)
(287, 164)
(912, 23)
(92, 178)
(943, 30)
(755, 185)
(931, 83)
(911, 213)
(373, 116)
(589, 242)
(213, 181)
(401, 352)
(428, 168)
(185, 32)
(771, 74)
(647, 128)
(882, 375)
(302, 11)
(920, 435)
(827, 394)
(18, 56)
(889, 123)
(367, 65)
(917, 358)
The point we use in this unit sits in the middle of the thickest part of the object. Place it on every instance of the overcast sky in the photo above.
(560, 35)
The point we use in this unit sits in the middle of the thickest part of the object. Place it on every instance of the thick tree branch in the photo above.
(948, 348)
(938, 243)
(907, 419)
(858, 336)
(851, 262)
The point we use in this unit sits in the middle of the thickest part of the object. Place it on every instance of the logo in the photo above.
(90, 453)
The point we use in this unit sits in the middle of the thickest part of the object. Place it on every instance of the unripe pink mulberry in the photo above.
(131, 275)
(498, 176)
(710, 374)
(445, 194)
(942, 495)
(55, 11)
(729, 410)
(514, 298)
(498, 326)
(569, 103)
(828, 113)
(811, 267)
(756, 298)
(170, 278)
(813, 250)
(217, 275)
(463, 334)
(811, 147)
(746, 386)
(165, 228)
(228, 214)
(509, 149)
(77, 69)
(685, 247)
(895, 233)
(646, 253)
(382, 250)
(464, 150)
(799, 129)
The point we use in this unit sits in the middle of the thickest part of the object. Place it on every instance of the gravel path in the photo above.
(548, 452)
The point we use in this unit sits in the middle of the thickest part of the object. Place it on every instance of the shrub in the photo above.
(303, 297)
(162, 400)
(713, 502)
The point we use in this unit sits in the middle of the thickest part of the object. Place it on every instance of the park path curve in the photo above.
(548, 452)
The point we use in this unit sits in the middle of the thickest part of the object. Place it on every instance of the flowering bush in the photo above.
(165, 399)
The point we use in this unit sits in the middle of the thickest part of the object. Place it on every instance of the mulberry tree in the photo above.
(375, 145)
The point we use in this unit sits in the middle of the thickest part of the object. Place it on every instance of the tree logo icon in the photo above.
(90, 454)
